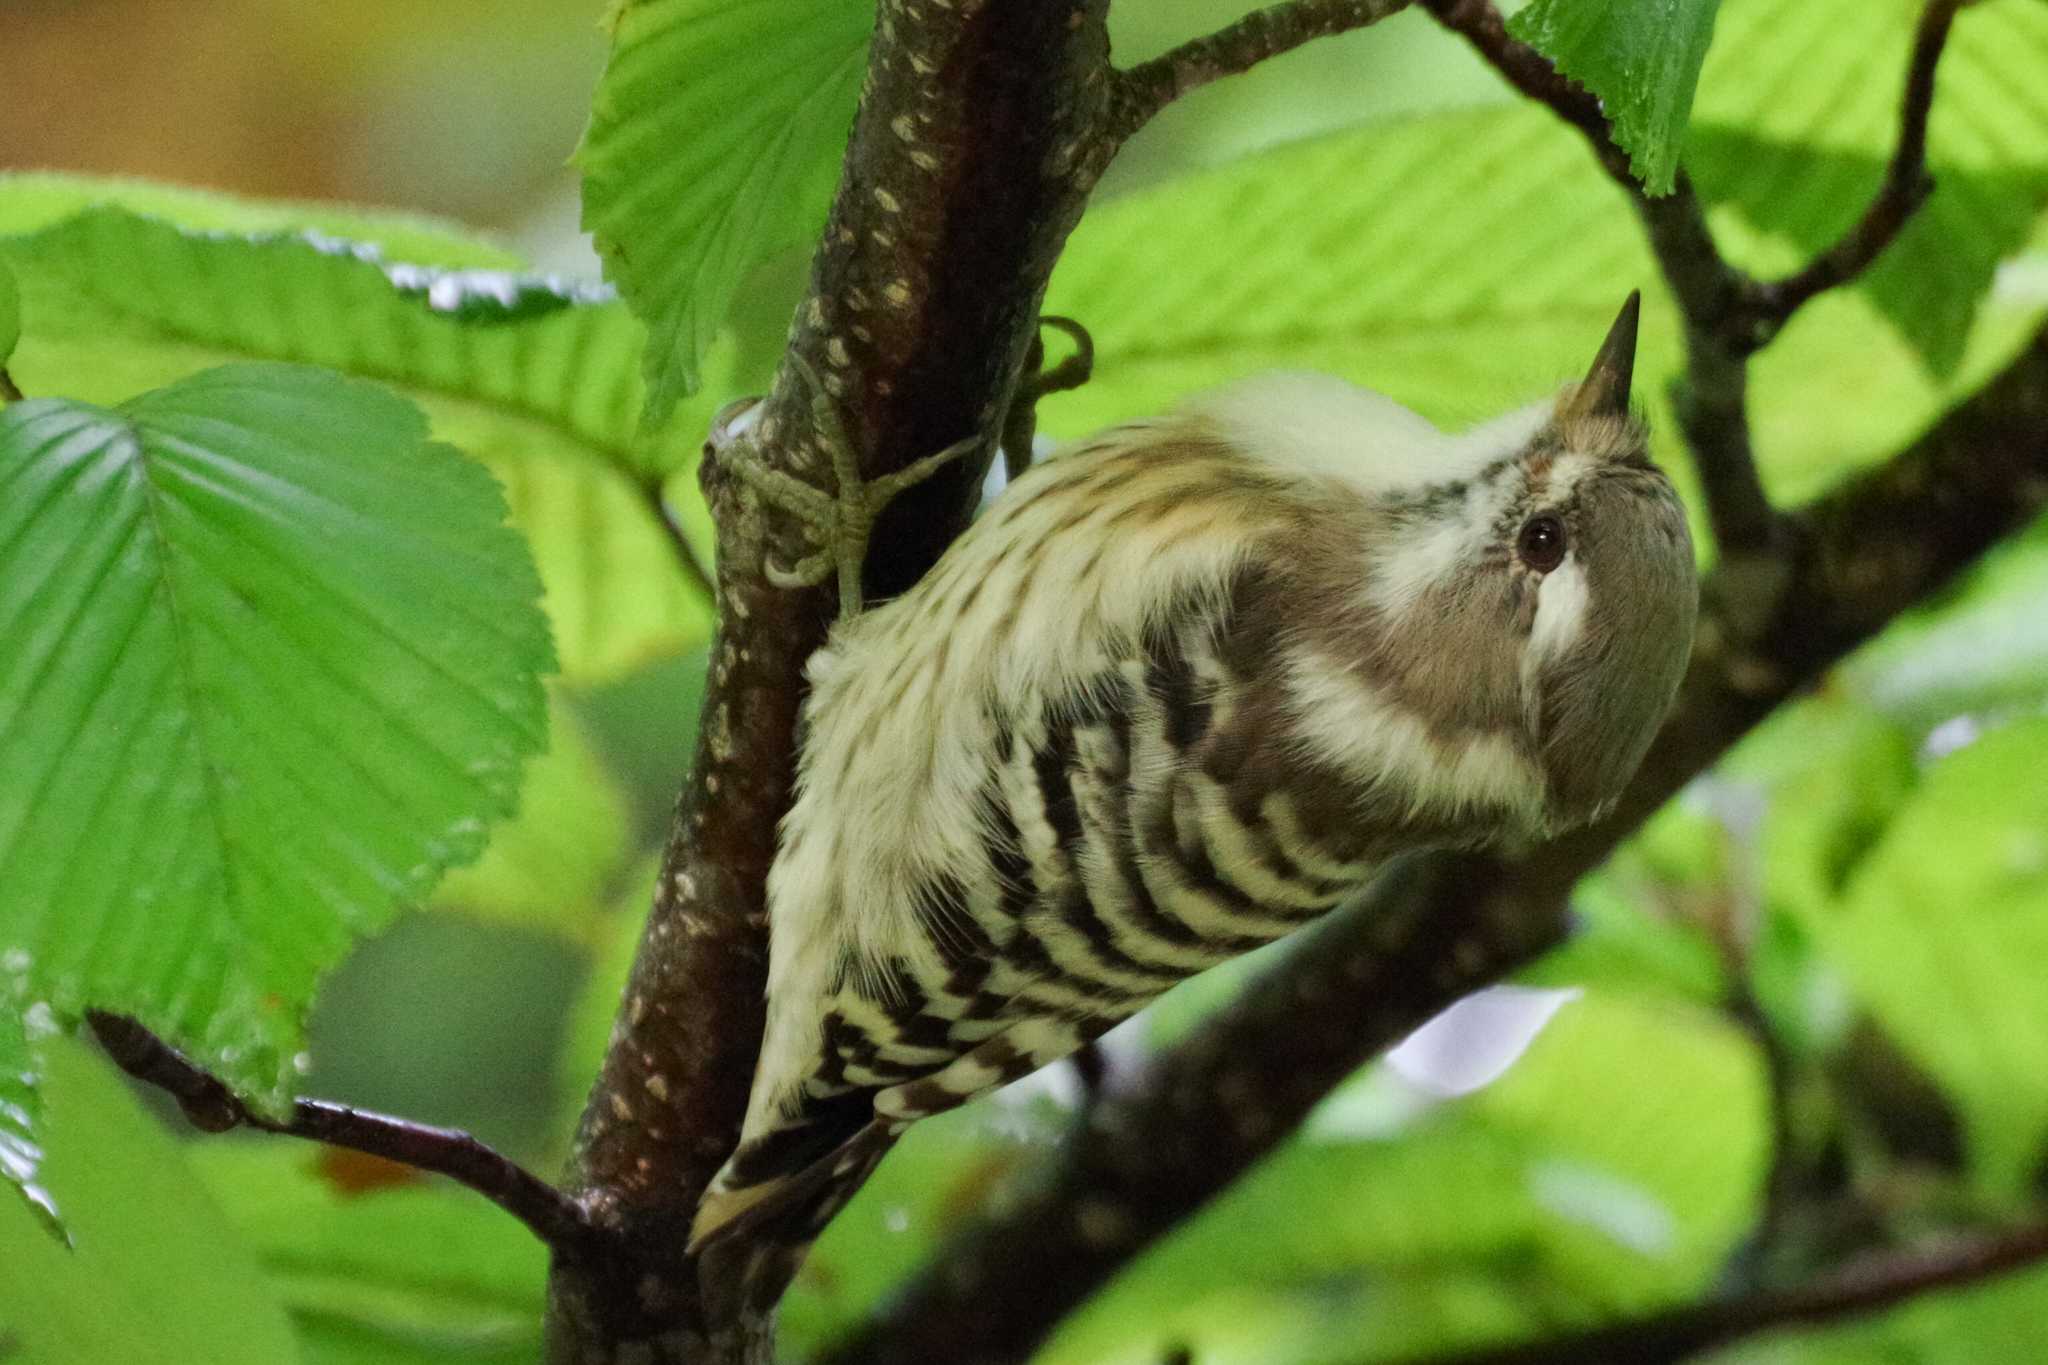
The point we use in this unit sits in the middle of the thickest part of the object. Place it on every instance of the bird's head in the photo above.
(1605, 591)
(1518, 601)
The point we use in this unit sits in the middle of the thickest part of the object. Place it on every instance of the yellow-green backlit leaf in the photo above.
(536, 377)
(715, 137)
(1641, 57)
(274, 662)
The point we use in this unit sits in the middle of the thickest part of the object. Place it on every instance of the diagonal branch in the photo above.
(1447, 926)
(1149, 1157)
(211, 1107)
(1875, 1282)
(1145, 89)
(1906, 187)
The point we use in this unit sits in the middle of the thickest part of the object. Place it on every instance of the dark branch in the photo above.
(923, 298)
(1878, 1281)
(211, 1107)
(1143, 90)
(1906, 186)
(1786, 1172)
(1445, 926)
(8, 392)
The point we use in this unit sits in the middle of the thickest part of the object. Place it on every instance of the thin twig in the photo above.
(8, 392)
(211, 1107)
(1906, 187)
(693, 568)
(1786, 1173)
(1143, 90)
(1878, 1281)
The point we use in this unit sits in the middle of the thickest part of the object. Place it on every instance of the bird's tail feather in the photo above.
(751, 1238)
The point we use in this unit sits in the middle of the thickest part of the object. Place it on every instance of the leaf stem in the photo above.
(213, 1108)
(1145, 89)
(693, 568)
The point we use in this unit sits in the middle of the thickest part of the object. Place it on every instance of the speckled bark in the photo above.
(1443, 927)
(978, 139)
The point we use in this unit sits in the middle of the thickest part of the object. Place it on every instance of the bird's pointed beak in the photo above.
(1604, 393)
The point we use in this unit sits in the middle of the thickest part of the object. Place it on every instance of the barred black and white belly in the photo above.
(1132, 836)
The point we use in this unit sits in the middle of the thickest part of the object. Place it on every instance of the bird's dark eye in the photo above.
(1541, 543)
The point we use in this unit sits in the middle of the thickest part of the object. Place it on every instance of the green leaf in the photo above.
(1847, 771)
(1798, 110)
(1984, 649)
(1494, 273)
(153, 1275)
(21, 1101)
(522, 372)
(1642, 59)
(715, 137)
(416, 1271)
(31, 201)
(1940, 930)
(277, 660)
(10, 314)
(1829, 73)
(552, 865)
(1650, 1196)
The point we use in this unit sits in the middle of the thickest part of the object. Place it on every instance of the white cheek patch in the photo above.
(1421, 560)
(1561, 603)
(1436, 551)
